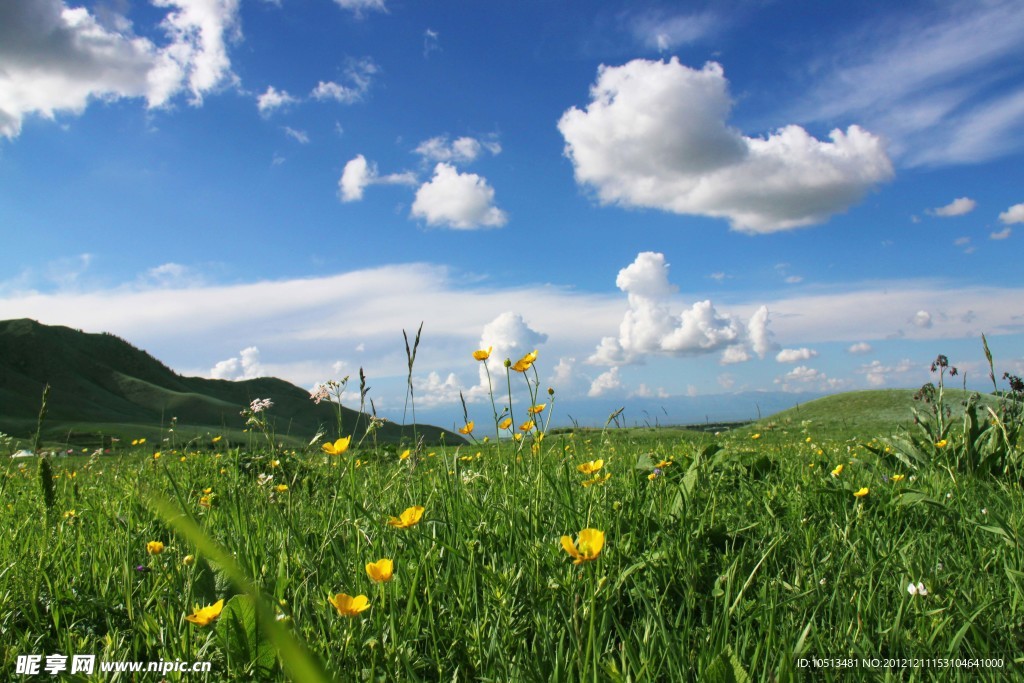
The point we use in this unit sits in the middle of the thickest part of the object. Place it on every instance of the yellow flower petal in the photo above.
(202, 616)
(338, 447)
(481, 354)
(380, 571)
(410, 517)
(349, 606)
(468, 429)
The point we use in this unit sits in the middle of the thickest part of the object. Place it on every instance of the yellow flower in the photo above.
(142, 441)
(188, 560)
(70, 514)
(590, 467)
(481, 354)
(505, 424)
(381, 570)
(405, 454)
(528, 425)
(861, 493)
(204, 501)
(468, 429)
(281, 488)
(203, 616)
(896, 478)
(410, 517)
(941, 444)
(275, 463)
(348, 606)
(807, 440)
(587, 547)
(517, 436)
(652, 476)
(524, 363)
(338, 447)
(838, 470)
(154, 547)
(209, 490)
(663, 464)
(135, 442)
(598, 479)
(756, 436)
(217, 438)
(156, 456)
(539, 408)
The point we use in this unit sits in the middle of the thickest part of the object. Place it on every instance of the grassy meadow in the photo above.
(532, 554)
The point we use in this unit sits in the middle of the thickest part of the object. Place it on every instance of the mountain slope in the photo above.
(101, 383)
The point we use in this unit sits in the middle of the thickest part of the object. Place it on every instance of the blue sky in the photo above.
(667, 200)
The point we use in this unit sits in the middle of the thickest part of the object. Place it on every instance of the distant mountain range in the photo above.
(101, 386)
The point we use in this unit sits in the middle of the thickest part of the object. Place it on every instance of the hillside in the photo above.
(859, 414)
(102, 385)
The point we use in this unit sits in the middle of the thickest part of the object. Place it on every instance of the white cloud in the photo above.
(605, 382)
(433, 391)
(795, 355)
(197, 55)
(1001, 234)
(922, 319)
(461, 150)
(273, 99)
(244, 366)
(59, 59)
(563, 374)
(878, 375)
(803, 378)
(512, 338)
(358, 174)
(859, 348)
(958, 207)
(658, 31)
(735, 354)
(359, 6)
(726, 381)
(1015, 214)
(655, 135)
(463, 201)
(760, 336)
(793, 279)
(359, 75)
(431, 42)
(171, 275)
(300, 136)
(938, 84)
(650, 326)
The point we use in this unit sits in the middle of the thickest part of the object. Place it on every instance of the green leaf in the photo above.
(239, 630)
(726, 668)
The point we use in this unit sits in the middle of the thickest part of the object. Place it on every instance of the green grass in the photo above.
(858, 414)
(744, 550)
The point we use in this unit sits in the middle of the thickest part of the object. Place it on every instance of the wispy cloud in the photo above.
(934, 82)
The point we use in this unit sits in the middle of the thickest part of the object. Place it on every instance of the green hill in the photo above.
(100, 385)
(859, 414)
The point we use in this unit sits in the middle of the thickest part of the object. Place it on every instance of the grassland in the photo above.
(725, 556)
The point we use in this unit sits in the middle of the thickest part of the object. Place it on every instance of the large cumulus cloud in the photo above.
(655, 135)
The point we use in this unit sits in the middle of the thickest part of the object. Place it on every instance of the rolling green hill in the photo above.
(859, 414)
(102, 386)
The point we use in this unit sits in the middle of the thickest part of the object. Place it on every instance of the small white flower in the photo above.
(949, 495)
(822, 582)
(984, 511)
(919, 589)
